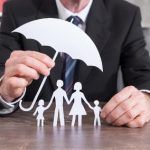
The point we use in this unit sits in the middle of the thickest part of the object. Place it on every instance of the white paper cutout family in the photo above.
(77, 109)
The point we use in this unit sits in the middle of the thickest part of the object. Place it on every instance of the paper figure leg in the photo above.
(61, 114)
(95, 121)
(55, 117)
(38, 122)
(73, 120)
(99, 122)
(42, 123)
(79, 120)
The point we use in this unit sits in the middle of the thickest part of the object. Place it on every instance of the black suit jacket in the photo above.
(113, 25)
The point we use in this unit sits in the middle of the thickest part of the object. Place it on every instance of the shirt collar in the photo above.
(64, 13)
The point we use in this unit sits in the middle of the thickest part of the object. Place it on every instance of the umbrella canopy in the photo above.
(64, 37)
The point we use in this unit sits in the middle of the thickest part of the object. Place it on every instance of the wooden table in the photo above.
(19, 132)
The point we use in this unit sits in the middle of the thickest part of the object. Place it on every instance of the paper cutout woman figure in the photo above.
(97, 111)
(77, 108)
(59, 95)
(40, 110)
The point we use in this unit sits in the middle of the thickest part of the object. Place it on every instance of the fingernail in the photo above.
(51, 64)
(47, 72)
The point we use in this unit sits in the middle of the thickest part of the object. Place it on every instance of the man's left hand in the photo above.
(129, 107)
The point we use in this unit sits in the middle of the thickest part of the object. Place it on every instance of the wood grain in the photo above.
(19, 132)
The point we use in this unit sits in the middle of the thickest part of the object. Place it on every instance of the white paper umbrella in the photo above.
(63, 37)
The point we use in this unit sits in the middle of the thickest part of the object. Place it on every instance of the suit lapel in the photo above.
(48, 9)
(98, 22)
(97, 27)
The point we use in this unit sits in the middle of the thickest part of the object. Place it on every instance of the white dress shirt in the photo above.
(64, 13)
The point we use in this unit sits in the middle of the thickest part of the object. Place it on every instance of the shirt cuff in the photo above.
(146, 91)
(7, 111)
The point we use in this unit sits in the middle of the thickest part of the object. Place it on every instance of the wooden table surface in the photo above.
(19, 132)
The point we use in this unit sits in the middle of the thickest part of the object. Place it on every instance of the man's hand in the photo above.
(20, 70)
(129, 107)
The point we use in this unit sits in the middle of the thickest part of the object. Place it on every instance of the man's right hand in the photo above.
(20, 70)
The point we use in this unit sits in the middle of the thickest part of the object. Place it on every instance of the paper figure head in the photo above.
(41, 102)
(96, 102)
(60, 83)
(78, 86)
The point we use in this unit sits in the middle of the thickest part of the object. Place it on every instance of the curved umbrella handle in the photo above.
(38, 92)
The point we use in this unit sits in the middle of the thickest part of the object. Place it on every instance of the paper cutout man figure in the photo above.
(40, 110)
(77, 108)
(97, 111)
(59, 95)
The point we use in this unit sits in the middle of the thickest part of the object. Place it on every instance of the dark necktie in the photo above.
(69, 67)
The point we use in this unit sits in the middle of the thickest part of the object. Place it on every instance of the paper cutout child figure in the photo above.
(59, 95)
(97, 111)
(40, 110)
(77, 108)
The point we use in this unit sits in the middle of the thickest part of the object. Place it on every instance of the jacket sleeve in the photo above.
(135, 60)
(8, 43)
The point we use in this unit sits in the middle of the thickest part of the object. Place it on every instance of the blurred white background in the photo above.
(145, 9)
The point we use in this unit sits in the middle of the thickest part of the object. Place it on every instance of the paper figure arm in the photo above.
(50, 102)
(85, 100)
(90, 106)
(35, 112)
(71, 99)
(66, 98)
(100, 109)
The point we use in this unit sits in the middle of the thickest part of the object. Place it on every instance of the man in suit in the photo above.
(113, 25)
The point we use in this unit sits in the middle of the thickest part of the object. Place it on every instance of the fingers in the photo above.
(21, 82)
(117, 100)
(124, 109)
(20, 70)
(39, 62)
(30, 62)
(144, 116)
(127, 106)
(139, 121)
(128, 116)
(39, 56)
